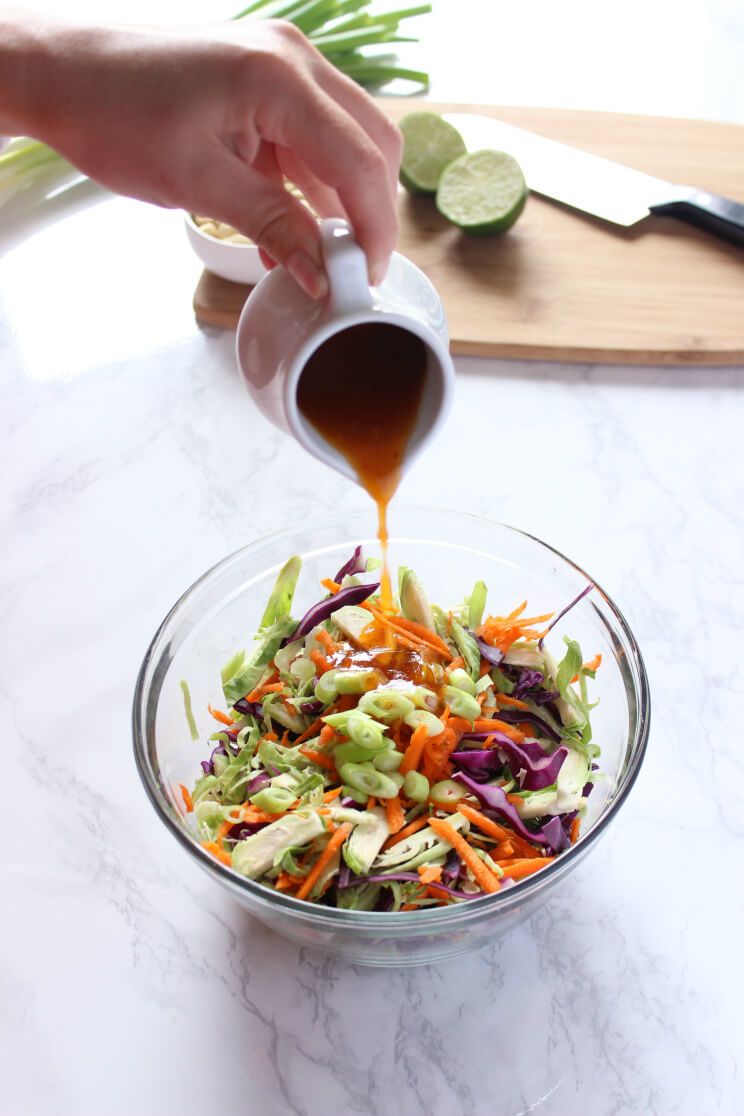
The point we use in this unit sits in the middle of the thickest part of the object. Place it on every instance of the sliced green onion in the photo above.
(416, 786)
(386, 705)
(462, 681)
(447, 791)
(422, 717)
(461, 704)
(325, 687)
(389, 760)
(364, 777)
(355, 681)
(274, 800)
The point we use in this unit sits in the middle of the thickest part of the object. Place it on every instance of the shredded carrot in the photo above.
(412, 631)
(331, 794)
(327, 640)
(270, 736)
(514, 800)
(251, 813)
(503, 631)
(265, 687)
(220, 716)
(487, 724)
(518, 869)
(574, 831)
(285, 880)
(592, 665)
(438, 893)
(413, 752)
(371, 802)
(430, 873)
(327, 734)
(331, 585)
(504, 850)
(321, 663)
(457, 663)
(447, 807)
(504, 699)
(187, 799)
(336, 841)
(486, 825)
(407, 831)
(320, 758)
(493, 829)
(396, 819)
(409, 907)
(312, 730)
(485, 668)
(437, 751)
(482, 873)
(217, 852)
(481, 698)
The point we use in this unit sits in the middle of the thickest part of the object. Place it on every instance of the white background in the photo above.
(132, 460)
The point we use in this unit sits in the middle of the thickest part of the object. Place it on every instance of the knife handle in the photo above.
(715, 214)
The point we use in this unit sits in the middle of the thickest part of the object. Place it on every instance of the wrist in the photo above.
(32, 51)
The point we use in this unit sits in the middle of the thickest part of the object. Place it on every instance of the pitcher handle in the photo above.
(346, 267)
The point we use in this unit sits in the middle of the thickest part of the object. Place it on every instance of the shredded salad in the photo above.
(378, 760)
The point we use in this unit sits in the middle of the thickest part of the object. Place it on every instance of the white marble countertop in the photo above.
(131, 461)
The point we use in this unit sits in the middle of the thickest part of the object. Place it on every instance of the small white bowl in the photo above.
(240, 263)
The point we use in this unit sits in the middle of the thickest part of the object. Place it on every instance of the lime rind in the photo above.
(430, 144)
(482, 192)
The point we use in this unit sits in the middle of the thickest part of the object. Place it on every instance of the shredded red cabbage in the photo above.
(405, 877)
(556, 835)
(354, 594)
(563, 612)
(241, 830)
(257, 783)
(311, 708)
(495, 799)
(355, 565)
(249, 708)
(491, 654)
(527, 680)
(516, 716)
(540, 770)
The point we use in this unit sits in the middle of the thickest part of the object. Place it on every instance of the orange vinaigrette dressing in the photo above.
(362, 390)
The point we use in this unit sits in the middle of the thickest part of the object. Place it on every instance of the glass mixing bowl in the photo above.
(449, 551)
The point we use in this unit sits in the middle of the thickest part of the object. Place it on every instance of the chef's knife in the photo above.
(598, 186)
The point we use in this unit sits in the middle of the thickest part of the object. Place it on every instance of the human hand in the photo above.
(211, 119)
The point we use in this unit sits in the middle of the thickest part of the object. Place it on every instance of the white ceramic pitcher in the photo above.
(281, 327)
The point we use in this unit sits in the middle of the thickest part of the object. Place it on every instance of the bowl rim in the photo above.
(426, 918)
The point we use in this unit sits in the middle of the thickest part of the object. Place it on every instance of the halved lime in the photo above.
(483, 192)
(429, 145)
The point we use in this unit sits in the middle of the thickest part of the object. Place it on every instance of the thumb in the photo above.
(277, 222)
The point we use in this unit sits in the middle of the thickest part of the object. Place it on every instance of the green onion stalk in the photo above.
(342, 30)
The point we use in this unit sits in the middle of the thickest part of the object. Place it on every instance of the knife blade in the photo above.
(599, 186)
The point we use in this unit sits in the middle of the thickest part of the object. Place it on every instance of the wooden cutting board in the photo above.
(564, 286)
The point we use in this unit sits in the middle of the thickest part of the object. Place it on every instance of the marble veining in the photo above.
(131, 460)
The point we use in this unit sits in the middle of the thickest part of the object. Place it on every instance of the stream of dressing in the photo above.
(362, 390)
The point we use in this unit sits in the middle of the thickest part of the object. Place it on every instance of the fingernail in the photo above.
(307, 273)
(378, 272)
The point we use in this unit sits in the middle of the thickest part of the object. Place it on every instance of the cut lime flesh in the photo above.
(429, 145)
(482, 192)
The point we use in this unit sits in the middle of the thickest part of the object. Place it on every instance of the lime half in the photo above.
(429, 145)
(483, 192)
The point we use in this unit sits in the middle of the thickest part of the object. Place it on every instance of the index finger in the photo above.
(341, 154)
